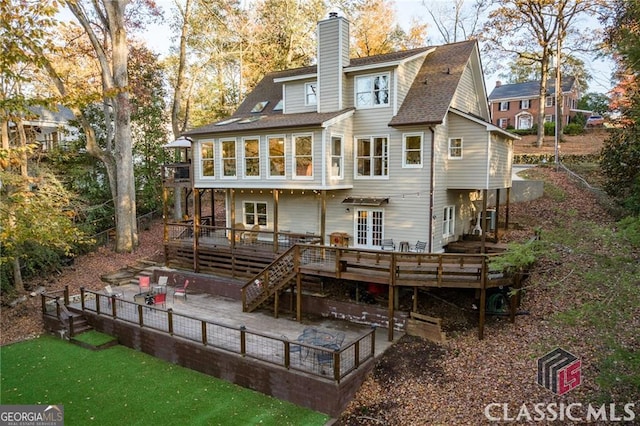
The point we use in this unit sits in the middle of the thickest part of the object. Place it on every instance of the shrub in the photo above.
(573, 129)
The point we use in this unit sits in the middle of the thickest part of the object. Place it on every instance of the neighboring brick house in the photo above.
(516, 105)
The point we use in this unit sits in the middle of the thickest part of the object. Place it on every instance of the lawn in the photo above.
(122, 386)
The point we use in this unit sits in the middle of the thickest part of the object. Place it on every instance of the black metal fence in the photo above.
(278, 350)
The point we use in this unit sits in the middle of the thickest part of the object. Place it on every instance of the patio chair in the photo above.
(239, 229)
(326, 358)
(387, 245)
(144, 284)
(294, 348)
(420, 247)
(252, 236)
(110, 293)
(181, 291)
(160, 299)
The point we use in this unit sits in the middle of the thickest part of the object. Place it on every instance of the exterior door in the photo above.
(369, 228)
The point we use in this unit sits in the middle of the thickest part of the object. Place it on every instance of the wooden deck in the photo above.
(272, 262)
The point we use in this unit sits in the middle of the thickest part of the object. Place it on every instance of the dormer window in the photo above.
(372, 91)
(310, 97)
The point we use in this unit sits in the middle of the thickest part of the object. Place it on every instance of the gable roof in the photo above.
(529, 89)
(424, 104)
(431, 93)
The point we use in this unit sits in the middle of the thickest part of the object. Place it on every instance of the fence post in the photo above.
(356, 355)
(140, 320)
(72, 331)
(373, 341)
(336, 365)
(287, 354)
(66, 295)
(98, 295)
(243, 340)
(170, 320)
(203, 325)
(113, 306)
(82, 298)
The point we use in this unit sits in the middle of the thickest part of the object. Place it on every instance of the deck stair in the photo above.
(270, 281)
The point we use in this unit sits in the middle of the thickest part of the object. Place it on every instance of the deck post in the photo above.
(275, 220)
(483, 298)
(391, 312)
(196, 229)
(483, 222)
(323, 215)
(496, 232)
(165, 213)
(298, 284)
(508, 204)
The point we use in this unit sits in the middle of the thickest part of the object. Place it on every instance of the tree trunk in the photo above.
(177, 90)
(544, 72)
(18, 284)
(125, 202)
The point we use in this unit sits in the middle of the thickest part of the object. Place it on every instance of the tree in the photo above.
(457, 20)
(537, 30)
(620, 160)
(596, 102)
(375, 29)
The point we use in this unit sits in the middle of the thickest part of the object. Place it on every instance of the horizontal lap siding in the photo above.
(441, 177)
(329, 70)
(500, 164)
(294, 94)
(466, 97)
(471, 170)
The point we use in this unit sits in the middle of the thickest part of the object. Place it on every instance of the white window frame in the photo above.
(372, 91)
(549, 118)
(371, 157)
(451, 148)
(244, 157)
(296, 156)
(203, 159)
(503, 106)
(256, 216)
(406, 151)
(283, 157)
(311, 94)
(223, 159)
(525, 104)
(337, 158)
(549, 101)
(449, 221)
(503, 120)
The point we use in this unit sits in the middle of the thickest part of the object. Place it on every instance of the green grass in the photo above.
(94, 338)
(122, 386)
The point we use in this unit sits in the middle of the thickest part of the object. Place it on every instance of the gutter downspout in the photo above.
(431, 190)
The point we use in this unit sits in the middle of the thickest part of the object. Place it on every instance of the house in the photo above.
(49, 127)
(355, 151)
(516, 105)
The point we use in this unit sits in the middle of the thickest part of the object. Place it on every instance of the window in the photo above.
(412, 150)
(372, 157)
(448, 221)
(229, 158)
(503, 123)
(208, 159)
(503, 106)
(255, 213)
(549, 118)
(303, 156)
(372, 91)
(336, 157)
(276, 156)
(252, 157)
(550, 101)
(455, 148)
(525, 104)
(310, 97)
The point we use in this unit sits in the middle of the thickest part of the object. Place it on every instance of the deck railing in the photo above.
(278, 350)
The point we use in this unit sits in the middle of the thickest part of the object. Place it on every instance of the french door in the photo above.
(369, 225)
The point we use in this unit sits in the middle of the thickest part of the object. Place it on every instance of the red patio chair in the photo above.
(160, 299)
(144, 284)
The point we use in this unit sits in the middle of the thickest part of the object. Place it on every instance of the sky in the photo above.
(158, 38)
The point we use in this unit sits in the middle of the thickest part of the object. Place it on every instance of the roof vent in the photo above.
(333, 14)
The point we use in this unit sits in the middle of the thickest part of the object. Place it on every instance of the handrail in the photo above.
(253, 344)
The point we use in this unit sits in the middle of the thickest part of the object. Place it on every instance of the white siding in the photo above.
(294, 94)
(333, 48)
(466, 97)
(469, 172)
(500, 163)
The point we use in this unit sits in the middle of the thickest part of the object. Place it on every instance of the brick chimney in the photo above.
(333, 56)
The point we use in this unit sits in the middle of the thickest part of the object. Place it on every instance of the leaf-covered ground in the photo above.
(582, 296)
